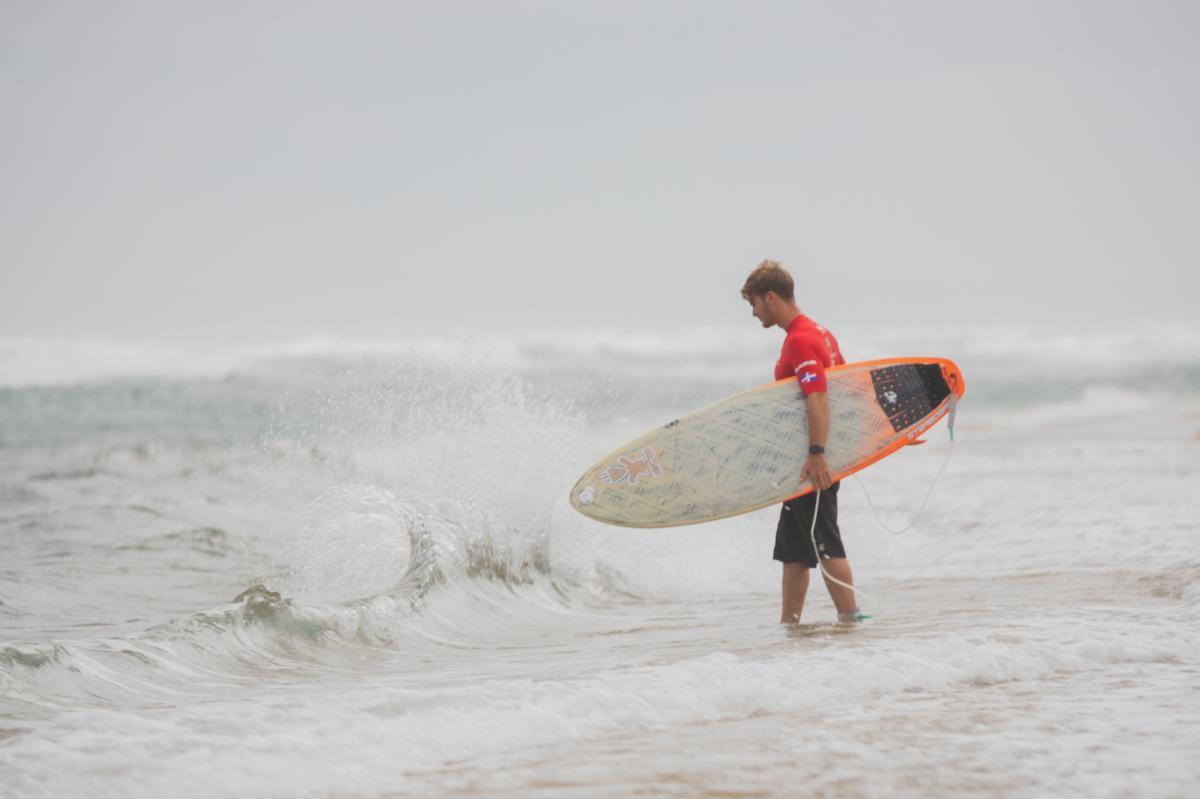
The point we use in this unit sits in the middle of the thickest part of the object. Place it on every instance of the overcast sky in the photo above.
(275, 169)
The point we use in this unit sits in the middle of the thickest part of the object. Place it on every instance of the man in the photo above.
(808, 350)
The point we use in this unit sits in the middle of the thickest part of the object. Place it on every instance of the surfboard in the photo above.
(745, 452)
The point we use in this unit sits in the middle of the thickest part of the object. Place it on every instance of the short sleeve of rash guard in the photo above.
(810, 372)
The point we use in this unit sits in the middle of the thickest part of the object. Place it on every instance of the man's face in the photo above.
(762, 309)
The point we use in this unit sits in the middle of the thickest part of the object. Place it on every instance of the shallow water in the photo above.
(350, 569)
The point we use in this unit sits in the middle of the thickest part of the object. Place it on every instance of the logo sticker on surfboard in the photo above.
(632, 469)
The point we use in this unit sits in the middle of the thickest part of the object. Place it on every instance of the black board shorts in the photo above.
(793, 542)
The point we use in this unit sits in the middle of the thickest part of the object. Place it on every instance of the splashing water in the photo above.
(352, 570)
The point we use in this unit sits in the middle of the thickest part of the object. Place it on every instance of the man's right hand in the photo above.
(817, 470)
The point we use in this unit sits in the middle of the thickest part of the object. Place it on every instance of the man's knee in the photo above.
(794, 570)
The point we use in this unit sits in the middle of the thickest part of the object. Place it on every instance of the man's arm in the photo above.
(818, 428)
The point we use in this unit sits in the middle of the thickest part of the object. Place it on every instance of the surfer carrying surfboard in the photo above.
(808, 350)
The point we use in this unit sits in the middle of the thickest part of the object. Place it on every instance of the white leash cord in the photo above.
(812, 534)
(924, 503)
(812, 531)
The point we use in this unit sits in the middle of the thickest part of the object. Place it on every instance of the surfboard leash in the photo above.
(932, 483)
(812, 534)
(924, 502)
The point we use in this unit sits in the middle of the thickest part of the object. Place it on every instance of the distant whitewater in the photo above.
(340, 567)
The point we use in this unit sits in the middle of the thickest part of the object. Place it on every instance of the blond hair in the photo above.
(769, 276)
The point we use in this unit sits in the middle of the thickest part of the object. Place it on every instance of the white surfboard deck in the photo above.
(746, 451)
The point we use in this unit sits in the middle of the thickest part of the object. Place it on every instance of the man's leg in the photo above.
(843, 598)
(795, 586)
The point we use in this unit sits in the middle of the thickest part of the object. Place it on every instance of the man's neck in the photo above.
(788, 317)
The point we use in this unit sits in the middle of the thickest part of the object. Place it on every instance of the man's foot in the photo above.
(852, 617)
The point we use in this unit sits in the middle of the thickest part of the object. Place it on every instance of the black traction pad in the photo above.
(909, 392)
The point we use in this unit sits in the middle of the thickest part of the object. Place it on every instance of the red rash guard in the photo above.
(808, 351)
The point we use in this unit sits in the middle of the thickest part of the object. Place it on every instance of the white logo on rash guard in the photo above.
(806, 363)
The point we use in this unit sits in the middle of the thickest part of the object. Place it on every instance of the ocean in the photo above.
(338, 567)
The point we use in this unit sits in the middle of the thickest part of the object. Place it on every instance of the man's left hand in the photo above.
(817, 470)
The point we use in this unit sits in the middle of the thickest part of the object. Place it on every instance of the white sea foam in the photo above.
(390, 731)
(716, 351)
(350, 568)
